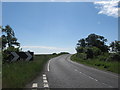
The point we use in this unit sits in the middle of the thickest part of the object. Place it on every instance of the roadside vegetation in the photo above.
(93, 51)
(18, 74)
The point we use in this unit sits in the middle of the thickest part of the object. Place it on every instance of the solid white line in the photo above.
(35, 85)
(48, 68)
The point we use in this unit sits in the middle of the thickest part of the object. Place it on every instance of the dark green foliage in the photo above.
(114, 57)
(9, 41)
(81, 42)
(92, 40)
(9, 37)
(80, 49)
(81, 55)
(89, 53)
(54, 54)
(115, 46)
(96, 62)
(63, 53)
(93, 51)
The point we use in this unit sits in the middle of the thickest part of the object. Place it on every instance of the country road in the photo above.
(61, 72)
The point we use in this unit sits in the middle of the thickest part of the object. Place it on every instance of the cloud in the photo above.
(43, 47)
(109, 8)
(47, 49)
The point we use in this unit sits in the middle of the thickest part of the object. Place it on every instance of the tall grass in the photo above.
(112, 66)
(16, 75)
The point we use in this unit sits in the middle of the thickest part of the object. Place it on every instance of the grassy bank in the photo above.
(98, 62)
(16, 75)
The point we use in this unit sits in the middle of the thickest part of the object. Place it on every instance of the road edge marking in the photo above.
(48, 67)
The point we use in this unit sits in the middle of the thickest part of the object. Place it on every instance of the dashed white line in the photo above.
(45, 82)
(46, 85)
(35, 85)
(93, 78)
(44, 75)
(48, 67)
(44, 78)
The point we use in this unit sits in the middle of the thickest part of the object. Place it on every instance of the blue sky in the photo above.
(54, 27)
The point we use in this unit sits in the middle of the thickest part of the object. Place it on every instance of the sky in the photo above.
(53, 27)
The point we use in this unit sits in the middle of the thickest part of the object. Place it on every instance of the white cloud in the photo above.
(109, 8)
(43, 47)
(47, 49)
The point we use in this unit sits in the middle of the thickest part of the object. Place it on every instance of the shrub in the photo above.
(114, 57)
(80, 49)
(81, 55)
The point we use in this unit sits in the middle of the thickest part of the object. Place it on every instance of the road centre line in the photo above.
(93, 78)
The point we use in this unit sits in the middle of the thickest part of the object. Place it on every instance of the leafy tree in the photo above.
(115, 46)
(81, 42)
(80, 49)
(93, 40)
(9, 39)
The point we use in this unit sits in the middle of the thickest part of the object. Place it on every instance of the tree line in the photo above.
(95, 45)
(9, 41)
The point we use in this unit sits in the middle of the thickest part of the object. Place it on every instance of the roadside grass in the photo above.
(112, 66)
(17, 74)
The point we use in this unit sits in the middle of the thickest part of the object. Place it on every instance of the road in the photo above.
(61, 72)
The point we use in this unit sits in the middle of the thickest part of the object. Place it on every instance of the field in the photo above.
(112, 66)
(16, 75)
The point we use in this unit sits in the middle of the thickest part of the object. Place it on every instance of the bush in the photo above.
(80, 49)
(114, 57)
(96, 51)
(81, 55)
(54, 54)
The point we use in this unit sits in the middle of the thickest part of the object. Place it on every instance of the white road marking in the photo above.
(44, 78)
(44, 75)
(93, 78)
(46, 85)
(35, 85)
(48, 68)
(45, 81)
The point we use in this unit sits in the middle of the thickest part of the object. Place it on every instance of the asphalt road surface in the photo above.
(61, 72)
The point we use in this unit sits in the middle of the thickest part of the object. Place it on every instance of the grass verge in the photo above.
(112, 66)
(16, 75)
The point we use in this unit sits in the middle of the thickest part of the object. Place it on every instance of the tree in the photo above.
(81, 42)
(9, 39)
(92, 40)
(97, 41)
(115, 46)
